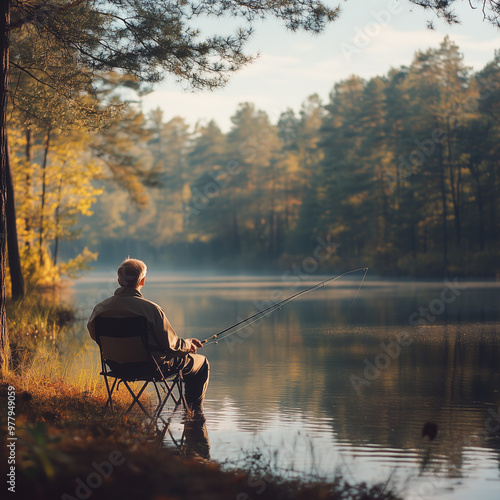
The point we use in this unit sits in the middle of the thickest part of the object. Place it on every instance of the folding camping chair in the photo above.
(126, 358)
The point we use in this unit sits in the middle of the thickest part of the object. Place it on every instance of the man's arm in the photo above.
(195, 345)
(170, 342)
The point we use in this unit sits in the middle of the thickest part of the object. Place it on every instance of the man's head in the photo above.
(132, 273)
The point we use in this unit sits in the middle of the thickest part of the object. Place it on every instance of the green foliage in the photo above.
(490, 10)
(151, 38)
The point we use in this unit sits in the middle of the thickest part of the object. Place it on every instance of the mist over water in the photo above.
(325, 383)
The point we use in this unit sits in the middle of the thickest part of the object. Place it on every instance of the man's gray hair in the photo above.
(131, 272)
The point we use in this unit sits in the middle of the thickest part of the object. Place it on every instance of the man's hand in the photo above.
(195, 345)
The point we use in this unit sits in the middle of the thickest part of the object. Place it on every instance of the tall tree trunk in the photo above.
(273, 237)
(414, 230)
(480, 209)
(476, 175)
(16, 274)
(385, 211)
(44, 191)
(444, 213)
(29, 160)
(286, 195)
(4, 89)
(57, 221)
(455, 188)
(492, 201)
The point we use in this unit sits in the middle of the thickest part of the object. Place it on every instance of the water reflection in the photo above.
(319, 389)
(192, 442)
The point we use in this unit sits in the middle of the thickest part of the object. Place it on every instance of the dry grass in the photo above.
(37, 317)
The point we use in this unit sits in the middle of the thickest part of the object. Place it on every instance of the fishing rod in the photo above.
(278, 305)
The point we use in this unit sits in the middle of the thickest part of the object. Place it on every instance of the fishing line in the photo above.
(357, 292)
(213, 339)
(242, 327)
(258, 318)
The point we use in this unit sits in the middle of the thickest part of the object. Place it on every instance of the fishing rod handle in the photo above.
(209, 338)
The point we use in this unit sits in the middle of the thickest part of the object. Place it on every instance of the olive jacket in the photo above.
(163, 341)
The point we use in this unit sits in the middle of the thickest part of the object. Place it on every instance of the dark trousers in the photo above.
(195, 372)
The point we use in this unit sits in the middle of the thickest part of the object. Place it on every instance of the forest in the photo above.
(398, 173)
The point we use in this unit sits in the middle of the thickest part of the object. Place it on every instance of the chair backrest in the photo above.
(124, 345)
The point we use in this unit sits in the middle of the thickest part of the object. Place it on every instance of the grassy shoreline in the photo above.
(66, 448)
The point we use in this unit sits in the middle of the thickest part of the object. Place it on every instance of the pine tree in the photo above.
(341, 173)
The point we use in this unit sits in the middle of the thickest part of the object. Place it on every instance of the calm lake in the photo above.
(326, 384)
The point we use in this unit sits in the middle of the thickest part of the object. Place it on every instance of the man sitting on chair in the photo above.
(170, 351)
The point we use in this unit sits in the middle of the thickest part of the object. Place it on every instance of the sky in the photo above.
(369, 38)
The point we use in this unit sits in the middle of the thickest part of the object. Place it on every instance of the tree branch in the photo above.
(46, 10)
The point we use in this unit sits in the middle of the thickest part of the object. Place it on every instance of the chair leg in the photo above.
(163, 432)
(136, 399)
(168, 393)
(109, 402)
(178, 444)
(177, 382)
(161, 402)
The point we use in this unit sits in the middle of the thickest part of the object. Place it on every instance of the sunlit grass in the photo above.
(37, 317)
(49, 368)
(56, 391)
